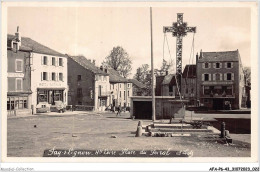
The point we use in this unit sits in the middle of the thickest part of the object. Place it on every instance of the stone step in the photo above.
(172, 125)
(179, 130)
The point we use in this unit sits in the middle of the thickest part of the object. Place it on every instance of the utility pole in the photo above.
(153, 91)
(179, 30)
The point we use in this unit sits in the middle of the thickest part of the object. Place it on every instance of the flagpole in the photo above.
(152, 68)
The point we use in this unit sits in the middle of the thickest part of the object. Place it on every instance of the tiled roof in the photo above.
(114, 76)
(81, 60)
(29, 44)
(168, 79)
(137, 83)
(189, 71)
(219, 56)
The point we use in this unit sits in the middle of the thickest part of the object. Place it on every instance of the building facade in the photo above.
(46, 70)
(166, 86)
(139, 88)
(220, 80)
(88, 84)
(121, 89)
(19, 94)
(189, 84)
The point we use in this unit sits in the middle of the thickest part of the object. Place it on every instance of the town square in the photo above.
(129, 82)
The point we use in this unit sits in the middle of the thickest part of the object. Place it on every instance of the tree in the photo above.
(166, 66)
(143, 75)
(119, 60)
(247, 73)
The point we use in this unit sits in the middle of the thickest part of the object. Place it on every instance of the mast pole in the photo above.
(152, 68)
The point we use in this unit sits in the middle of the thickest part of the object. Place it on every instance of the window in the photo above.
(217, 65)
(229, 76)
(18, 65)
(128, 93)
(79, 103)
(15, 47)
(53, 61)
(42, 95)
(128, 85)
(60, 76)
(79, 92)
(53, 76)
(60, 62)
(124, 95)
(19, 84)
(79, 77)
(192, 90)
(120, 93)
(229, 65)
(45, 60)
(206, 65)
(217, 77)
(44, 76)
(206, 90)
(206, 77)
(99, 90)
(187, 91)
(170, 88)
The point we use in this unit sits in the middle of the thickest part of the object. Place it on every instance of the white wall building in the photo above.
(48, 76)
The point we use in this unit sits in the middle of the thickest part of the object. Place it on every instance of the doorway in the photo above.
(217, 104)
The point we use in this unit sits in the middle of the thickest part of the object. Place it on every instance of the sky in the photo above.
(94, 31)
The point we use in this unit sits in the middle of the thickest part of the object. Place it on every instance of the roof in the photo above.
(114, 76)
(168, 79)
(219, 56)
(28, 44)
(82, 61)
(189, 71)
(137, 83)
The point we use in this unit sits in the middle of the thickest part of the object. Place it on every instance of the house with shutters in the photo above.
(47, 70)
(220, 80)
(19, 93)
(121, 89)
(88, 84)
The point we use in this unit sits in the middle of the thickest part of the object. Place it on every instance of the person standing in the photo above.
(119, 110)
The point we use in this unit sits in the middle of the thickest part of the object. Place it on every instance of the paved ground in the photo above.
(81, 130)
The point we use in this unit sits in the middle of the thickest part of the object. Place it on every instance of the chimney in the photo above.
(18, 35)
(197, 57)
(16, 43)
(94, 62)
(200, 54)
(106, 70)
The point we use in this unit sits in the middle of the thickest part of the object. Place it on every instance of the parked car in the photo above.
(61, 108)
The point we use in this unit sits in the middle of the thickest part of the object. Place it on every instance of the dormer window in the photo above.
(15, 47)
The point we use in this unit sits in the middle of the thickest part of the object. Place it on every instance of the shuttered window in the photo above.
(229, 76)
(18, 65)
(60, 62)
(19, 84)
(60, 76)
(44, 76)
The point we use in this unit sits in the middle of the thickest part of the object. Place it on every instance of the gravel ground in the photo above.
(93, 131)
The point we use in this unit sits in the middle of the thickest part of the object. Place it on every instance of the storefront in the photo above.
(18, 104)
(50, 95)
